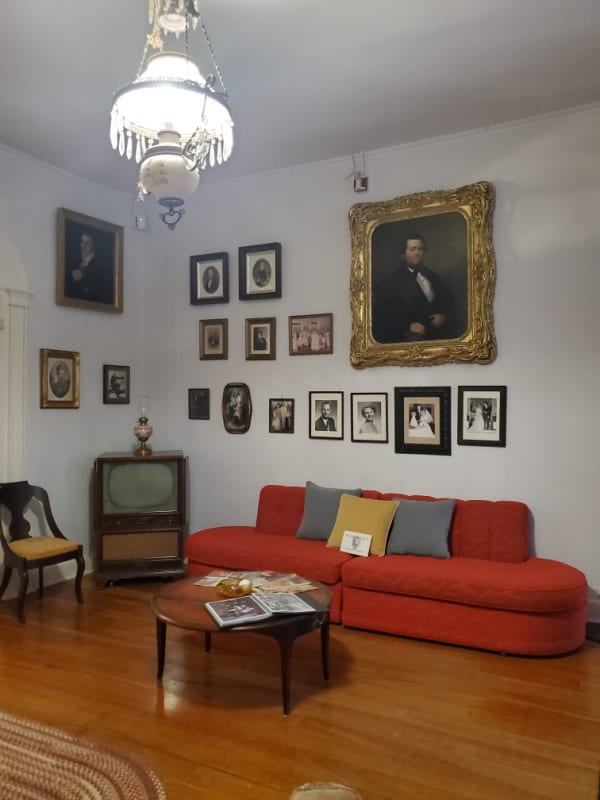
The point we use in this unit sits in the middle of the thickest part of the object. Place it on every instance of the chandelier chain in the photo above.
(212, 53)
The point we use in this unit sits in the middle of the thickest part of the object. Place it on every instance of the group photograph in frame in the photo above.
(236, 407)
(209, 279)
(259, 271)
(260, 339)
(281, 415)
(422, 420)
(59, 379)
(369, 417)
(89, 268)
(115, 384)
(422, 279)
(482, 416)
(198, 403)
(213, 339)
(311, 334)
(326, 415)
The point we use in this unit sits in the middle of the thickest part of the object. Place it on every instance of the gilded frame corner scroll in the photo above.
(455, 229)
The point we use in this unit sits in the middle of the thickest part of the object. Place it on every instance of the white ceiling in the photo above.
(308, 79)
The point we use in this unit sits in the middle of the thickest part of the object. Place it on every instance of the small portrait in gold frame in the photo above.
(59, 379)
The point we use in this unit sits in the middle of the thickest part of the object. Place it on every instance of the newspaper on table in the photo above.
(262, 581)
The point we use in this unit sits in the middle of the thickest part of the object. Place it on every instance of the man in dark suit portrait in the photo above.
(325, 422)
(89, 277)
(409, 304)
(210, 280)
(60, 379)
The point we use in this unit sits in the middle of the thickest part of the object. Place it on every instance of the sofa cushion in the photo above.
(363, 515)
(421, 528)
(280, 509)
(320, 510)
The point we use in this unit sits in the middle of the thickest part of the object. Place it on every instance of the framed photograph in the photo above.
(422, 279)
(281, 415)
(326, 415)
(422, 418)
(369, 417)
(236, 408)
(311, 334)
(199, 403)
(260, 339)
(482, 415)
(115, 384)
(89, 269)
(213, 339)
(260, 271)
(209, 279)
(59, 379)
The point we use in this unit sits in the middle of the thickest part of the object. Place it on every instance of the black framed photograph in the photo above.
(311, 334)
(326, 415)
(59, 379)
(236, 407)
(482, 415)
(422, 420)
(209, 279)
(260, 339)
(213, 339)
(115, 384)
(281, 415)
(199, 403)
(369, 417)
(89, 269)
(260, 271)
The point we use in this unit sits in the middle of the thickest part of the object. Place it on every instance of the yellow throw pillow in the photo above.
(363, 515)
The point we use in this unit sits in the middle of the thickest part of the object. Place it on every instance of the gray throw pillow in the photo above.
(320, 511)
(421, 527)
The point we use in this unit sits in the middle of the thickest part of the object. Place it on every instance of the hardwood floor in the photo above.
(399, 719)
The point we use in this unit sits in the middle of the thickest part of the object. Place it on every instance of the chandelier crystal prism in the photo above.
(170, 118)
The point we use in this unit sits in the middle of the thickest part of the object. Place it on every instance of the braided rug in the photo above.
(42, 763)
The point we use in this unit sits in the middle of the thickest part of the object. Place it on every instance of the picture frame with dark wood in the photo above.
(116, 383)
(199, 403)
(59, 378)
(281, 415)
(422, 420)
(260, 339)
(89, 262)
(260, 271)
(214, 342)
(326, 415)
(369, 417)
(311, 334)
(422, 279)
(209, 279)
(236, 407)
(482, 416)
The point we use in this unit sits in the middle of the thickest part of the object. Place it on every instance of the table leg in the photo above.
(285, 650)
(161, 638)
(325, 645)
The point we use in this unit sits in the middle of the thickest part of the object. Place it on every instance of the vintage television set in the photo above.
(140, 515)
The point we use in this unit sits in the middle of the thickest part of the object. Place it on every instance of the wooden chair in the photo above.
(23, 552)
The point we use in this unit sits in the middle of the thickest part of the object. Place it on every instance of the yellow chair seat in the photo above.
(41, 547)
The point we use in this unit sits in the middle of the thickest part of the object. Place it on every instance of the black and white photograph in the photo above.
(115, 384)
(326, 415)
(311, 334)
(281, 415)
(260, 339)
(199, 403)
(59, 378)
(236, 407)
(369, 417)
(422, 420)
(260, 271)
(209, 279)
(482, 416)
(213, 339)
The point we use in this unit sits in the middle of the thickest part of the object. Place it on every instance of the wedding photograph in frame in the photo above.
(281, 415)
(213, 339)
(89, 268)
(369, 417)
(260, 339)
(260, 271)
(482, 416)
(311, 334)
(422, 420)
(209, 279)
(198, 403)
(326, 415)
(236, 407)
(115, 384)
(59, 379)
(422, 279)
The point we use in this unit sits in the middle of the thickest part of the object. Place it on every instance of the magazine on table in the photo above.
(287, 583)
(254, 608)
(265, 580)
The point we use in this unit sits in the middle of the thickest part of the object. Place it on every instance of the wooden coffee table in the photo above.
(182, 604)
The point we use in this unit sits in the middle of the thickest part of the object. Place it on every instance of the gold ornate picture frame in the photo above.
(452, 282)
(59, 378)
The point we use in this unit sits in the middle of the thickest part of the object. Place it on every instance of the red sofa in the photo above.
(488, 595)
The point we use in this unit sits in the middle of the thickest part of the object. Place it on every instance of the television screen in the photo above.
(138, 487)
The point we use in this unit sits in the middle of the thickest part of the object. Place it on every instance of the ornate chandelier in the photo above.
(170, 118)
